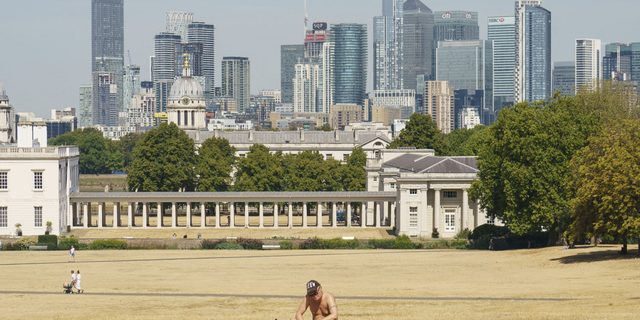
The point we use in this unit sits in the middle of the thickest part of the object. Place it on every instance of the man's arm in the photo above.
(301, 309)
(333, 308)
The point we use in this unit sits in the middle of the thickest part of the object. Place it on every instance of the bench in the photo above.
(38, 247)
(270, 246)
(348, 238)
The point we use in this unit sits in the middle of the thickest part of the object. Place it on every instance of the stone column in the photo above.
(465, 209)
(246, 214)
(319, 215)
(188, 224)
(174, 215)
(333, 215)
(261, 212)
(100, 214)
(232, 214)
(130, 216)
(145, 214)
(378, 214)
(85, 216)
(160, 213)
(78, 213)
(290, 215)
(116, 215)
(394, 207)
(275, 214)
(348, 217)
(362, 215)
(203, 215)
(304, 214)
(436, 211)
(217, 208)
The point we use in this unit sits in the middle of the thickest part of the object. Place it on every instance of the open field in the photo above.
(368, 284)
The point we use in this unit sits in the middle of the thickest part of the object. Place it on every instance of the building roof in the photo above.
(432, 164)
(293, 137)
(415, 5)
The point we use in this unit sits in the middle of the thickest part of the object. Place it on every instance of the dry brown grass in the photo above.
(603, 284)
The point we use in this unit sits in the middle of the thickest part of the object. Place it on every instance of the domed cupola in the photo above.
(186, 105)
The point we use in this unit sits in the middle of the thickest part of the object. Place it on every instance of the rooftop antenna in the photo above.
(306, 18)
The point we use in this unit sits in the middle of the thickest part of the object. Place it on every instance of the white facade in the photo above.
(275, 94)
(588, 57)
(305, 87)
(393, 98)
(186, 106)
(142, 109)
(469, 118)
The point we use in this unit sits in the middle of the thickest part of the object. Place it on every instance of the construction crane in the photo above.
(129, 54)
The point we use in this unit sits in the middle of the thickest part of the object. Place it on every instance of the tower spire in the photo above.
(186, 70)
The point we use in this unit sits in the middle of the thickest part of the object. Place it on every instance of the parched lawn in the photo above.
(368, 284)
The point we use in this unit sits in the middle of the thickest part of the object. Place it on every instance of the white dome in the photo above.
(186, 86)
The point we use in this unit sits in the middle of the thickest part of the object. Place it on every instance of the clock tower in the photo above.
(186, 105)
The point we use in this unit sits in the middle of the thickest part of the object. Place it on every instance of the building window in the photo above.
(413, 191)
(345, 157)
(413, 217)
(241, 155)
(37, 180)
(3, 181)
(450, 220)
(329, 156)
(392, 185)
(377, 153)
(491, 221)
(375, 179)
(450, 194)
(38, 217)
(3, 217)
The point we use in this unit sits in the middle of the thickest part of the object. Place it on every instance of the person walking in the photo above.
(73, 280)
(322, 304)
(78, 278)
(72, 254)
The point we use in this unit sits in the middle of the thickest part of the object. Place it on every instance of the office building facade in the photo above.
(387, 46)
(532, 79)
(439, 103)
(622, 61)
(177, 22)
(587, 61)
(455, 25)
(85, 112)
(290, 55)
(501, 31)
(314, 40)
(205, 34)
(350, 63)
(131, 85)
(236, 80)
(564, 77)
(418, 46)
(107, 31)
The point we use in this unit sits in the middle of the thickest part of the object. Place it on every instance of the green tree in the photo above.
(126, 144)
(466, 142)
(259, 171)
(164, 160)
(421, 132)
(97, 153)
(215, 162)
(354, 177)
(325, 127)
(605, 179)
(308, 171)
(525, 164)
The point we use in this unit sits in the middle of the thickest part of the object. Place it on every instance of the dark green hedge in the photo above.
(48, 238)
(108, 244)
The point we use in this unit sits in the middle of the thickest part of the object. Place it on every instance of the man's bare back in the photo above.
(321, 304)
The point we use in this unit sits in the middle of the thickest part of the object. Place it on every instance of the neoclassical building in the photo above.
(186, 106)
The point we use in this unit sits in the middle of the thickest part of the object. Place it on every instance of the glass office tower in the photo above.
(387, 46)
(200, 32)
(501, 31)
(622, 61)
(588, 67)
(350, 63)
(564, 77)
(289, 56)
(455, 26)
(418, 46)
(236, 81)
(532, 80)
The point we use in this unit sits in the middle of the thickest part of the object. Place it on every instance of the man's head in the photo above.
(314, 290)
(71, 271)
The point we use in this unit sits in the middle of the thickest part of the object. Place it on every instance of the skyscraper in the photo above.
(289, 57)
(85, 114)
(107, 52)
(104, 98)
(236, 80)
(164, 66)
(588, 57)
(564, 77)
(350, 63)
(177, 22)
(387, 46)
(200, 32)
(440, 104)
(619, 59)
(455, 26)
(532, 79)
(315, 39)
(417, 46)
(501, 31)
(131, 85)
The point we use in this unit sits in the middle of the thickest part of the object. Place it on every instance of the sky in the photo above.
(45, 46)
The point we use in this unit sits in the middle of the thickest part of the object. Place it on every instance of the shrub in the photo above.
(489, 229)
(66, 243)
(210, 244)
(48, 239)
(463, 234)
(404, 242)
(339, 243)
(25, 242)
(313, 243)
(108, 244)
(228, 246)
(250, 244)
(286, 245)
(382, 243)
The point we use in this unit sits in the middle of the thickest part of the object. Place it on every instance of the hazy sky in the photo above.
(45, 45)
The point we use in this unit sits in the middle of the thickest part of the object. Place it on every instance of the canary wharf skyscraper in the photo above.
(532, 80)
(107, 55)
(501, 31)
(387, 46)
(200, 32)
(350, 63)
(418, 43)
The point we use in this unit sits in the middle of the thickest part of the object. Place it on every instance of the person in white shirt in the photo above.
(78, 278)
(73, 280)
(72, 254)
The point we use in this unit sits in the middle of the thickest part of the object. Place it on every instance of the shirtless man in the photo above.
(322, 304)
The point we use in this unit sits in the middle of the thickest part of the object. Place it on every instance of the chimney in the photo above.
(25, 134)
(335, 133)
(302, 134)
(40, 133)
(251, 135)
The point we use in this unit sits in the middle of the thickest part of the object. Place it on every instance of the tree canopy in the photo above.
(605, 179)
(126, 144)
(421, 132)
(164, 160)
(467, 142)
(259, 170)
(97, 153)
(354, 177)
(215, 162)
